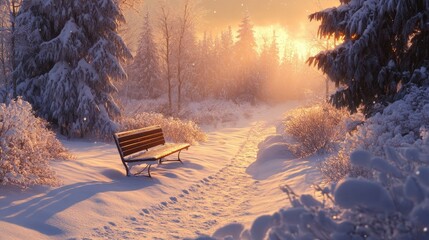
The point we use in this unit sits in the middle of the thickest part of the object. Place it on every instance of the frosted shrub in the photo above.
(394, 205)
(400, 124)
(208, 112)
(26, 147)
(315, 128)
(338, 166)
(174, 129)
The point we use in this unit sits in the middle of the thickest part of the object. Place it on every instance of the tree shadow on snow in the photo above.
(36, 212)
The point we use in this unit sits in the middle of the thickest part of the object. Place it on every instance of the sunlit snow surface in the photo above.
(222, 181)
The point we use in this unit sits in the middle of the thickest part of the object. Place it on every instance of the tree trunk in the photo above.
(14, 12)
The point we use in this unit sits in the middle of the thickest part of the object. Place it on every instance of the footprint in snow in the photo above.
(145, 211)
(216, 213)
(185, 191)
(173, 199)
(112, 223)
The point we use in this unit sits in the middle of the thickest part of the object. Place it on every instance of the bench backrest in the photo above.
(134, 141)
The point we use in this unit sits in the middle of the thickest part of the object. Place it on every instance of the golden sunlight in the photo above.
(301, 47)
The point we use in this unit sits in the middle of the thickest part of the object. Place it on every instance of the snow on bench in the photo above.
(145, 145)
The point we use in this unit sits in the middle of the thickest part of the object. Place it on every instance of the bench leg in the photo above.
(148, 171)
(178, 156)
(173, 160)
(127, 170)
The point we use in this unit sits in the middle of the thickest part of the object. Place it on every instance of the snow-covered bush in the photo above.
(215, 112)
(338, 166)
(401, 124)
(26, 147)
(209, 112)
(315, 128)
(394, 205)
(174, 129)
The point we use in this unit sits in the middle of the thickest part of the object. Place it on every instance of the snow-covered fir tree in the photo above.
(384, 46)
(246, 43)
(247, 82)
(69, 55)
(144, 73)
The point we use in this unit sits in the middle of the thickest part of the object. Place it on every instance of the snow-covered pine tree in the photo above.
(246, 43)
(144, 75)
(246, 56)
(69, 54)
(384, 47)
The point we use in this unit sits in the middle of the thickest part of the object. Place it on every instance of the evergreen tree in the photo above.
(247, 82)
(144, 75)
(246, 44)
(69, 54)
(384, 48)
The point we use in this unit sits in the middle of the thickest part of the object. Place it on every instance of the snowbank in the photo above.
(394, 204)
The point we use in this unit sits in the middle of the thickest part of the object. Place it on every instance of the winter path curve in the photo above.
(214, 201)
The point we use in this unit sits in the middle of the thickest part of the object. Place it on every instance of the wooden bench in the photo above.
(145, 145)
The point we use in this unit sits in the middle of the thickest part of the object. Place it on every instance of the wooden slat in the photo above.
(145, 142)
(141, 139)
(160, 152)
(120, 134)
(143, 147)
(137, 134)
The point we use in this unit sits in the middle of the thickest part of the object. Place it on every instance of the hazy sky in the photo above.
(291, 14)
(288, 17)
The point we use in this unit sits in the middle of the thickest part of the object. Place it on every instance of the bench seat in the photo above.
(156, 154)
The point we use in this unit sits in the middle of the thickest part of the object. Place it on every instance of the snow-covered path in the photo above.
(221, 181)
(214, 201)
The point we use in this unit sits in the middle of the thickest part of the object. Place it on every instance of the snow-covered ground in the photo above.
(222, 180)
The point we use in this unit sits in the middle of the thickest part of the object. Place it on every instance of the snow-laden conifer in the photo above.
(144, 74)
(68, 55)
(380, 45)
